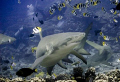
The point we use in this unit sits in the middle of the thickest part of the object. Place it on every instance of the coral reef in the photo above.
(77, 76)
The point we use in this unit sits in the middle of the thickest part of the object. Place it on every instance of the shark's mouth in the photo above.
(76, 42)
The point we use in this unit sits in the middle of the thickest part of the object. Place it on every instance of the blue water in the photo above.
(15, 17)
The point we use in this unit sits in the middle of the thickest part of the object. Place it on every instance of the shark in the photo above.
(4, 39)
(57, 47)
(102, 57)
(53, 49)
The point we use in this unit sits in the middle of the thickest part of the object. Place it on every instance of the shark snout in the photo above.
(11, 40)
(81, 36)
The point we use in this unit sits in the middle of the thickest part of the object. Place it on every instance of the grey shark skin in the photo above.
(102, 57)
(57, 47)
(4, 39)
(52, 42)
(53, 48)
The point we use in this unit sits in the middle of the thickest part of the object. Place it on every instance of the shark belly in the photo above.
(57, 55)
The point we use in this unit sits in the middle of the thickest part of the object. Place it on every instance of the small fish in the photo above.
(33, 49)
(11, 67)
(86, 15)
(116, 40)
(19, 2)
(12, 57)
(24, 72)
(33, 18)
(106, 38)
(118, 14)
(75, 63)
(60, 6)
(41, 74)
(79, 6)
(60, 17)
(13, 64)
(37, 30)
(115, 20)
(41, 21)
(67, 1)
(101, 34)
(113, 10)
(118, 6)
(54, 75)
(103, 43)
(115, 2)
(36, 14)
(31, 35)
(95, 17)
(96, 32)
(74, 12)
(103, 9)
(53, 9)
(94, 3)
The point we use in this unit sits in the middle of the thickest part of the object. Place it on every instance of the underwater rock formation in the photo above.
(77, 76)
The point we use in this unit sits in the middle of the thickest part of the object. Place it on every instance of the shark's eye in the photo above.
(83, 33)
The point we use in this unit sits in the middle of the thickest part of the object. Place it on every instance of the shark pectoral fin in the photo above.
(106, 63)
(38, 61)
(49, 69)
(83, 51)
(79, 56)
(66, 59)
(61, 64)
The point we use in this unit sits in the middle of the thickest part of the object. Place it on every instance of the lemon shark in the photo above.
(6, 39)
(102, 57)
(53, 49)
